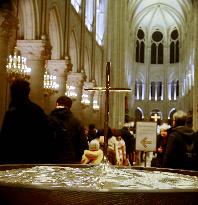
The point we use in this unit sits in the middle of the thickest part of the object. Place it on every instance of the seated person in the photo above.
(94, 155)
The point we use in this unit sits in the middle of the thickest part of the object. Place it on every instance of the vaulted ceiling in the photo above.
(161, 14)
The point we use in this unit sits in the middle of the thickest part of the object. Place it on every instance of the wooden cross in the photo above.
(107, 89)
(155, 117)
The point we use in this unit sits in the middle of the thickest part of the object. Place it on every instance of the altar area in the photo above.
(101, 184)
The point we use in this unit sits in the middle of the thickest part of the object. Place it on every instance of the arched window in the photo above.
(159, 90)
(152, 90)
(100, 20)
(139, 91)
(156, 91)
(140, 46)
(157, 48)
(173, 92)
(89, 14)
(177, 88)
(174, 46)
(76, 4)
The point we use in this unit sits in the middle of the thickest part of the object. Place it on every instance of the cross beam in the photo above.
(107, 89)
(155, 117)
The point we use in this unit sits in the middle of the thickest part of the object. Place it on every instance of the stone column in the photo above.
(8, 25)
(76, 79)
(87, 110)
(36, 51)
(57, 68)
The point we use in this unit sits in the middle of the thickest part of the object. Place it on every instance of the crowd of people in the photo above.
(29, 136)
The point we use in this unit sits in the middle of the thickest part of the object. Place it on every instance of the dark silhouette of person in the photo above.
(130, 144)
(25, 133)
(181, 151)
(92, 132)
(70, 140)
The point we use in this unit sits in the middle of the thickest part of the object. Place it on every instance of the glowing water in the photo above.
(101, 177)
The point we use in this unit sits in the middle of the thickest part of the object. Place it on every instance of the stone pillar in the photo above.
(156, 85)
(57, 68)
(87, 110)
(36, 51)
(195, 88)
(76, 79)
(8, 25)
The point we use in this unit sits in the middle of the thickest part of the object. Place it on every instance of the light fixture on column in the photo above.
(95, 101)
(85, 99)
(71, 92)
(16, 67)
(49, 84)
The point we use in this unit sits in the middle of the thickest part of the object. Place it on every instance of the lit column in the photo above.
(169, 91)
(76, 81)
(58, 68)
(156, 85)
(138, 91)
(162, 96)
(175, 86)
(36, 51)
(150, 87)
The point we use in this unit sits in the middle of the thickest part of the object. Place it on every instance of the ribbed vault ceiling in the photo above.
(162, 14)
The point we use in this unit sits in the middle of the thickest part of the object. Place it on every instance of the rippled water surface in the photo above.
(100, 177)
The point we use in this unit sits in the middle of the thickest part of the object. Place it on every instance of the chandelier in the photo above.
(85, 99)
(96, 105)
(71, 92)
(49, 84)
(16, 67)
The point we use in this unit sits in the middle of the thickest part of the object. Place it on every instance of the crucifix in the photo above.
(155, 117)
(107, 89)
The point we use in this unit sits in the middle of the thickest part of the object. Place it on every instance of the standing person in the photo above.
(181, 150)
(162, 139)
(25, 133)
(70, 140)
(130, 144)
(92, 133)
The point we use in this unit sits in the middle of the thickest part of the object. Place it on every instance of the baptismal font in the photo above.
(96, 184)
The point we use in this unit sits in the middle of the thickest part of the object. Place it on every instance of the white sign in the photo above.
(146, 134)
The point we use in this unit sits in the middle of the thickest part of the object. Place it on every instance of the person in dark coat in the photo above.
(70, 141)
(25, 133)
(181, 151)
(92, 133)
(130, 144)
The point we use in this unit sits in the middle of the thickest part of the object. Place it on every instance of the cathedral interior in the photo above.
(63, 47)
(66, 44)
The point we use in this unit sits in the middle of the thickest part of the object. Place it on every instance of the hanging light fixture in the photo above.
(71, 92)
(96, 106)
(49, 83)
(16, 67)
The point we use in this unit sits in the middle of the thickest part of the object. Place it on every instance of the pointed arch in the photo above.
(73, 51)
(87, 65)
(55, 33)
(30, 19)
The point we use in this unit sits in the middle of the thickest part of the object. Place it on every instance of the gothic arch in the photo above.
(139, 114)
(87, 65)
(55, 33)
(73, 51)
(30, 19)
(171, 112)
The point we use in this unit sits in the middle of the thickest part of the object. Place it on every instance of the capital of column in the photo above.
(34, 49)
(75, 79)
(57, 67)
(69, 65)
(8, 23)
